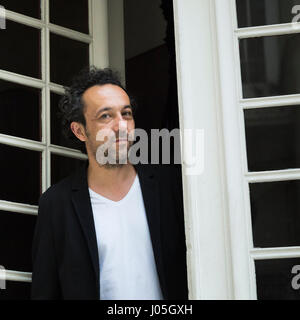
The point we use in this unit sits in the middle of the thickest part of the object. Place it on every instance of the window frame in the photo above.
(99, 56)
(220, 252)
(263, 176)
(257, 103)
(221, 261)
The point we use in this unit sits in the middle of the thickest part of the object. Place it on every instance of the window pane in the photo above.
(16, 233)
(22, 54)
(270, 65)
(272, 136)
(16, 291)
(275, 213)
(29, 7)
(257, 12)
(62, 167)
(70, 14)
(67, 58)
(274, 279)
(57, 136)
(20, 172)
(20, 105)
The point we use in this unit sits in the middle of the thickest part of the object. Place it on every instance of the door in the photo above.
(238, 78)
(264, 97)
(268, 48)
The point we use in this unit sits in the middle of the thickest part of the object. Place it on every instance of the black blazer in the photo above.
(65, 253)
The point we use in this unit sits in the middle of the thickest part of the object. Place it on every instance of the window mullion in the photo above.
(46, 164)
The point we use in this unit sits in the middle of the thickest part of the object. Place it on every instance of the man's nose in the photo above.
(119, 123)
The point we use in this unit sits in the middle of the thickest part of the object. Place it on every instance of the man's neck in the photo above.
(109, 177)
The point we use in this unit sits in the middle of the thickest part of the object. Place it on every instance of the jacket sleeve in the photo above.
(45, 280)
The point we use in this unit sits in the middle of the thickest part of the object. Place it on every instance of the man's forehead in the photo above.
(107, 91)
(107, 95)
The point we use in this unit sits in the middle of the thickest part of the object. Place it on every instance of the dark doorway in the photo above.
(151, 62)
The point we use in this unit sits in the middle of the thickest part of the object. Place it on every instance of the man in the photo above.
(112, 230)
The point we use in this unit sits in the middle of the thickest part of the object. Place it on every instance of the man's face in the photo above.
(108, 112)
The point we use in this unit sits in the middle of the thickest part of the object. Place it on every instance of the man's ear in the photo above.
(79, 131)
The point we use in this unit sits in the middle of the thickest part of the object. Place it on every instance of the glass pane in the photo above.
(257, 12)
(67, 58)
(20, 51)
(62, 167)
(16, 291)
(20, 172)
(274, 279)
(29, 7)
(70, 14)
(20, 105)
(275, 213)
(270, 65)
(16, 233)
(273, 138)
(57, 136)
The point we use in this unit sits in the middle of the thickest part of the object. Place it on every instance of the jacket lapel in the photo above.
(83, 208)
(151, 196)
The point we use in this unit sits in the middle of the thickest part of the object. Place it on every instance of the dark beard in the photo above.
(114, 162)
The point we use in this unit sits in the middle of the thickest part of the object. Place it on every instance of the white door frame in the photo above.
(207, 219)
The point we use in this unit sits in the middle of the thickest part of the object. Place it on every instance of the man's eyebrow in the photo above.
(102, 110)
(110, 108)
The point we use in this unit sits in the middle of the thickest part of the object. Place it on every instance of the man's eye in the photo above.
(104, 116)
(127, 114)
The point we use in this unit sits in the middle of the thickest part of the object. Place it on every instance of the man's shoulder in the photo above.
(58, 190)
(162, 171)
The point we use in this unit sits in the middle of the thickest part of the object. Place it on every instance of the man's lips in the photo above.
(121, 140)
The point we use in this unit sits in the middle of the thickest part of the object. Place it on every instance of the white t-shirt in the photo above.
(127, 265)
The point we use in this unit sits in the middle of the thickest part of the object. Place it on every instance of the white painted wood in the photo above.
(59, 89)
(47, 116)
(11, 275)
(203, 65)
(44, 4)
(277, 101)
(39, 24)
(98, 23)
(99, 50)
(206, 220)
(72, 34)
(47, 171)
(99, 32)
(275, 253)
(234, 150)
(18, 207)
(63, 151)
(43, 115)
(26, 20)
(116, 36)
(270, 176)
(21, 79)
(21, 142)
(268, 30)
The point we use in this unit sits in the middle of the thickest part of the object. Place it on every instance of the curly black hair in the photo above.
(71, 105)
